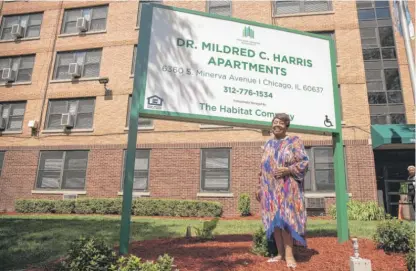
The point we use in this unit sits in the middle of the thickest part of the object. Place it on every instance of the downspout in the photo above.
(45, 88)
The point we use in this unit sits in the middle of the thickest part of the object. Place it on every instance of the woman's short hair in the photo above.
(283, 117)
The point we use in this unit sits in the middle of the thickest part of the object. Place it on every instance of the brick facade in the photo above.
(175, 146)
(174, 172)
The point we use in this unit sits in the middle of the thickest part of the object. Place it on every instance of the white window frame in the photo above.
(82, 10)
(20, 23)
(301, 4)
(202, 169)
(19, 64)
(227, 3)
(8, 105)
(312, 171)
(74, 115)
(74, 56)
(61, 171)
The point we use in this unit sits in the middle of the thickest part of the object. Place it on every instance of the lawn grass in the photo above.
(36, 239)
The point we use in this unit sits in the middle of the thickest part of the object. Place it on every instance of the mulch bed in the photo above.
(232, 252)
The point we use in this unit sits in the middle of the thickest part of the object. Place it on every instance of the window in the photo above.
(372, 10)
(21, 67)
(141, 170)
(62, 170)
(81, 110)
(1, 161)
(378, 43)
(320, 177)
(388, 118)
(215, 170)
(96, 19)
(221, 7)
(30, 24)
(330, 34)
(384, 88)
(12, 115)
(133, 65)
(144, 123)
(88, 61)
(301, 6)
(140, 9)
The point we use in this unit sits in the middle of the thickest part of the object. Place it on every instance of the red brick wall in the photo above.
(104, 173)
(361, 172)
(17, 177)
(175, 172)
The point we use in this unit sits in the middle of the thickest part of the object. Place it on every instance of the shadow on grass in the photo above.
(321, 233)
(36, 241)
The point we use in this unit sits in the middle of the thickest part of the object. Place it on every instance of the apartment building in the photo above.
(64, 133)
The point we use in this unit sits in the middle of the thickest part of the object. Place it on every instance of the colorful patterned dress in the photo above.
(282, 200)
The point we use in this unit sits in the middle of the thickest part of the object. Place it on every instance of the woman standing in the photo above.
(284, 164)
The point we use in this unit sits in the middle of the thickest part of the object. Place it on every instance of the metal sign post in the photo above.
(131, 144)
(339, 161)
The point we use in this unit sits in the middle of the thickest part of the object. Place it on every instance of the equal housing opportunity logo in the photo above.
(154, 102)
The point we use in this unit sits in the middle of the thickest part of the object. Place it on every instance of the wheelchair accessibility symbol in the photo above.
(327, 122)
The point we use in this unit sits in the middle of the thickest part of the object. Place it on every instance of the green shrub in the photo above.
(244, 204)
(206, 232)
(130, 263)
(261, 246)
(89, 254)
(98, 206)
(394, 236)
(34, 206)
(140, 207)
(410, 260)
(133, 263)
(183, 208)
(165, 263)
(93, 254)
(410, 256)
(364, 211)
(64, 206)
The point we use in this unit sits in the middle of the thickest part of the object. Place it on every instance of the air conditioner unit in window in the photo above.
(17, 31)
(82, 24)
(69, 196)
(74, 70)
(8, 75)
(67, 120)
(315, 203)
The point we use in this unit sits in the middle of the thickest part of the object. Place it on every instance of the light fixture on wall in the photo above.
(105, 80)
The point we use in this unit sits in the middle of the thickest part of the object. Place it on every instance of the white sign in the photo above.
(224, 71)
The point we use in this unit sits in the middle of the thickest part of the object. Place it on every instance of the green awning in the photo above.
(393, 136)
